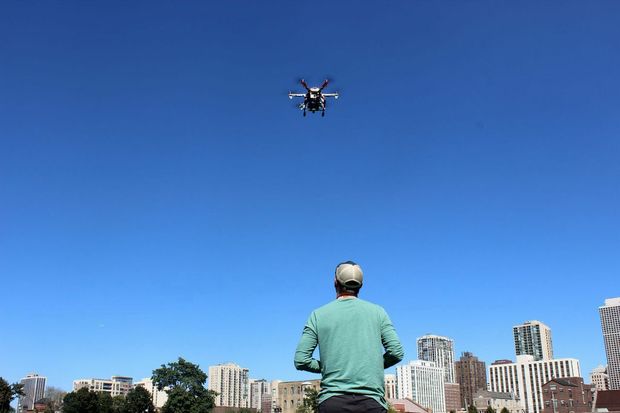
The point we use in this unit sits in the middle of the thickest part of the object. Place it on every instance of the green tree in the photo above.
(311, 401)
(81, 401)
(391, 409)
(139, 400)
(504, 410)
(118, 404)
(105, 403)
(8, 392)
(184, 383)
(490, 410)
(472, 409)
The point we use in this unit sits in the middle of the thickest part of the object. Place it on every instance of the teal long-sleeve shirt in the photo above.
(356, 341)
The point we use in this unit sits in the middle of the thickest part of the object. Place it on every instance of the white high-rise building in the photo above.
(423, 382)
(439, 350)
(390, 386)
(533, 338)
(159, 396)
(525, 378)
(231, 382)
(34, 389)
(610, 323)
(116, 386)
(258, 390)
(599, 378)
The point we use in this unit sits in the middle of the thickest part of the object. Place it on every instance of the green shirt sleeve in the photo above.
(308, 342)
(393, 349)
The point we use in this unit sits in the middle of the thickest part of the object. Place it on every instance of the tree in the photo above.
(184, 383)
(504, 410)
(139, 400)
(105, 403)
(54, 397)
(490, 410)
(472, 409)
(118, 404)
(8, 392)
(391, 409)
(311, 401)
(81, 401)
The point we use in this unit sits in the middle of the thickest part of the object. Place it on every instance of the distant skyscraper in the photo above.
(258, 390)
(533, 338)
(439, 350)
(34, 389)
(471, 374)
(526, 377)
(599, 378)
(422, 382)
(231, 382)
(610, 323)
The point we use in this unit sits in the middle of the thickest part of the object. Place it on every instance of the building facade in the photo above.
(439, 350)
(390, 386)
(453, 396)
(533, 338)
(610, 324)
(423, 382)
(599, 378)
(232, 384)
(471, 375)
(258, 390)
(483, 399)
(34, 390)
(116, 386)
(525, 378)
(569, 395)
(159, 397)
(292, 393)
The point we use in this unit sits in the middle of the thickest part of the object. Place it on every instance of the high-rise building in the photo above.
(599, 378)
(533, 338)
(453, 396)
(610, 323)
(275, 401)
(526, 377)
(439, 350)
(390, 386)
(471, 375)
(34, 389)
(258, 390)
(423, 382)
(159, 397)
(116, 386)
(231, 382)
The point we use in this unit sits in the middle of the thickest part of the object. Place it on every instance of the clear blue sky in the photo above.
(160, 197)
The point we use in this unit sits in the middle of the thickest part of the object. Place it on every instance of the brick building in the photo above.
(567, 395)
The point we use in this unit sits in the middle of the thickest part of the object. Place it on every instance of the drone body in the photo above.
(314, 98)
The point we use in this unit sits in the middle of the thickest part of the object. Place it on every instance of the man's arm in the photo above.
(308, 342)
(393, 349)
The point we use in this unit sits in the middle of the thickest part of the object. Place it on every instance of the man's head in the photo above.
(349, 278)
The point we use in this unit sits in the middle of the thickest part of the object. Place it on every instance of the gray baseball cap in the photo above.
(349, 274)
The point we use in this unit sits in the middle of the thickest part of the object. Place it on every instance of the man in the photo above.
(351, 335)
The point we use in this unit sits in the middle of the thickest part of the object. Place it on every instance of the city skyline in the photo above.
(161, 197)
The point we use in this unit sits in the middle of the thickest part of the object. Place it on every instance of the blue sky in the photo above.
(160, 196)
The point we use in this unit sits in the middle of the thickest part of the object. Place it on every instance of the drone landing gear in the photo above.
(322, 113)
(304, 112)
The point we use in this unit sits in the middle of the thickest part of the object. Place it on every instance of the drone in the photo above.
(314, 98)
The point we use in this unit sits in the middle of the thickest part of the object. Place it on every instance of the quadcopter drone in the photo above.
(314, 98)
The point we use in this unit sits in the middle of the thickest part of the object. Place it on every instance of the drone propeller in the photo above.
(304, 84)
(325, 82)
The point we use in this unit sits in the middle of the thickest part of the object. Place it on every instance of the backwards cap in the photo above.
(349, 274)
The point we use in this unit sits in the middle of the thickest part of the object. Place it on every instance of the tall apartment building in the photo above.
(159, 397)
(610, 324)
(232, 384)
(439, 350)
(258, 390)
(599, 378)
(34, 390)
(292, 393)
(533, 338)
(116, 386)
(471, 375)
(390, 386)
(423, 382)
(526, 377)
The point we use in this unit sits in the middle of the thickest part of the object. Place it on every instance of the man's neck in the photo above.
(345, 296)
